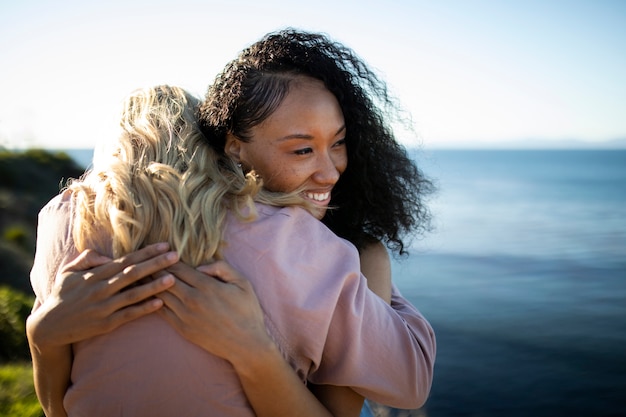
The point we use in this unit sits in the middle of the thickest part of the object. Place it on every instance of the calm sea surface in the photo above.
(524, 281)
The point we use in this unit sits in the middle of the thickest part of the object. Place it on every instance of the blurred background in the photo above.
(519, 116)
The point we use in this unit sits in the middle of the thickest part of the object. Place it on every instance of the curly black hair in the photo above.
(381, 195)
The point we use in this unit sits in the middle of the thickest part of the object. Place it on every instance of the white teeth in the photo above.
(318, 196)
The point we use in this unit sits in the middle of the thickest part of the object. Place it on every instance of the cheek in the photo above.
(284, 178)
(265, 163)
(276, 174)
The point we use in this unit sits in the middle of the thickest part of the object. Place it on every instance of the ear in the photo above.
(232, 148)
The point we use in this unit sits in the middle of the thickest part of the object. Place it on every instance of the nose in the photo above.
(329, 169)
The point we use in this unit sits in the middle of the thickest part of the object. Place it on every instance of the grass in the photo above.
(17, 391)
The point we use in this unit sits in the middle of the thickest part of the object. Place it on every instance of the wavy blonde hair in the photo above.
(162, 182)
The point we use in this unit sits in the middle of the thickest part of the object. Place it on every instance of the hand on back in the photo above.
(94, 294)
(216, 308)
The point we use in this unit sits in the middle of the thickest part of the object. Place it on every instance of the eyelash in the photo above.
(304, 151)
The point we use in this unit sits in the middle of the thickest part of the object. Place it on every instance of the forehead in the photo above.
(308, 102)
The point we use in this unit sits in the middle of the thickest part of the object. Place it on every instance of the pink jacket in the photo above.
(328, 325)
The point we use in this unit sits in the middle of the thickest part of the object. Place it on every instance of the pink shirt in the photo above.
(327, 324)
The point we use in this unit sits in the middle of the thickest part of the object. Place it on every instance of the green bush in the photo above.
(17, 391)
(17, 235)
(15, 266)
(36, 170)
(28, 180)
(14, 309)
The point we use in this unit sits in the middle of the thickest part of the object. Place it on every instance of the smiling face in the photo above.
(300, 145)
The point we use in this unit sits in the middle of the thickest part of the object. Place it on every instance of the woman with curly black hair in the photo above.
(380, 196)
(306, 113)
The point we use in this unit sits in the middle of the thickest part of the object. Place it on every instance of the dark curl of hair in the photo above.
(381, 194)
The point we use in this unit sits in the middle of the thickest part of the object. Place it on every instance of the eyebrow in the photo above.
(307, 137)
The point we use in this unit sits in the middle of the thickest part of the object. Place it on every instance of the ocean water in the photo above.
(524, 281)
(82, 156)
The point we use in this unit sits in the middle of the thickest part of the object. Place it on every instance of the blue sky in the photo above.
(471, 73)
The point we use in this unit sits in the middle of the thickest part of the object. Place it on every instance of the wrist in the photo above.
(256, 361)
(49, 352)
(40, 342)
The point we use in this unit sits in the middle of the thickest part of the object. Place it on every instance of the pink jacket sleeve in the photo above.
(54, 245)
(384, 352)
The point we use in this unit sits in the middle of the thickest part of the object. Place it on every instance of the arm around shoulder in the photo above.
(384, 352)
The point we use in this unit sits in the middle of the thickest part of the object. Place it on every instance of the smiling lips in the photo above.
(318, 197)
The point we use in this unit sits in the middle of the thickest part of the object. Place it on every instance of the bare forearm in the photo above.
(51, 374)
(340, 401)
(274, 389)
(376, 267)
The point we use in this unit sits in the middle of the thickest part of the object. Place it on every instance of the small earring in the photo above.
(238, 164)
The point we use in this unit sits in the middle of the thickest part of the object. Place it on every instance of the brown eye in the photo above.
(303, 151)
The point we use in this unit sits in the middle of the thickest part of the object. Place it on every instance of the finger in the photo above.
(187, 274)
(133, 273)
(140, 293)
(171, 300)
(133, 312)
(175, 310)
(160, 274)
(170, 316)
(180, 295)
(133, 258)
(87, 259)
(145, 253)
(226, 274)
(223, 271)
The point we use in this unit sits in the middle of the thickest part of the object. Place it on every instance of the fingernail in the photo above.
(167, 279)
(171, 256)
(162, 246)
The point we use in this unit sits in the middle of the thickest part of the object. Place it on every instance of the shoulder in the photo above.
(54, 242)
(302, 256)
(298, 268)
(292, 225)
(59, 204)
(292, 244)
(56, 217)
(293, 220)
